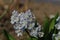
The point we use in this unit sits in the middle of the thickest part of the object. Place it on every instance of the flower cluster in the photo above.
(57, 26)
(56, 36)
(58, 23)
(25, 20)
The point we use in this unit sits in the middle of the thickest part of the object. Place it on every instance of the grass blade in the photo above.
(52, 23)
(8, 36)
(46, 25)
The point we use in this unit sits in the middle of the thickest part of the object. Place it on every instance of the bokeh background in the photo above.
(39, 8)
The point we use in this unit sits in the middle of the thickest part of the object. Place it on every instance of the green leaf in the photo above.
(34, 38)
(46, 25)
(31, 38)
(11, 37)
(8, 36)
(52, 23)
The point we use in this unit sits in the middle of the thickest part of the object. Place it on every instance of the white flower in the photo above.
(58, 19)
(38, 28)
(51, 16)
(59, 33)
(53, 36)
(28, 12)
(56, 36)
(22, 21)
(40, 34)
(18, 26)
(19, 32)
(14, 12)
(57, 25)
(33, 33)
(31, 25)
(14, 17)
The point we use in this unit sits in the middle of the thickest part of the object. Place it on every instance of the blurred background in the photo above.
(39, 8)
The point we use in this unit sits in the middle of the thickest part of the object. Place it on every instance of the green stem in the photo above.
(3, 14)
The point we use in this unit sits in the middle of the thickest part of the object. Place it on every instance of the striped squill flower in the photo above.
(22, 21)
